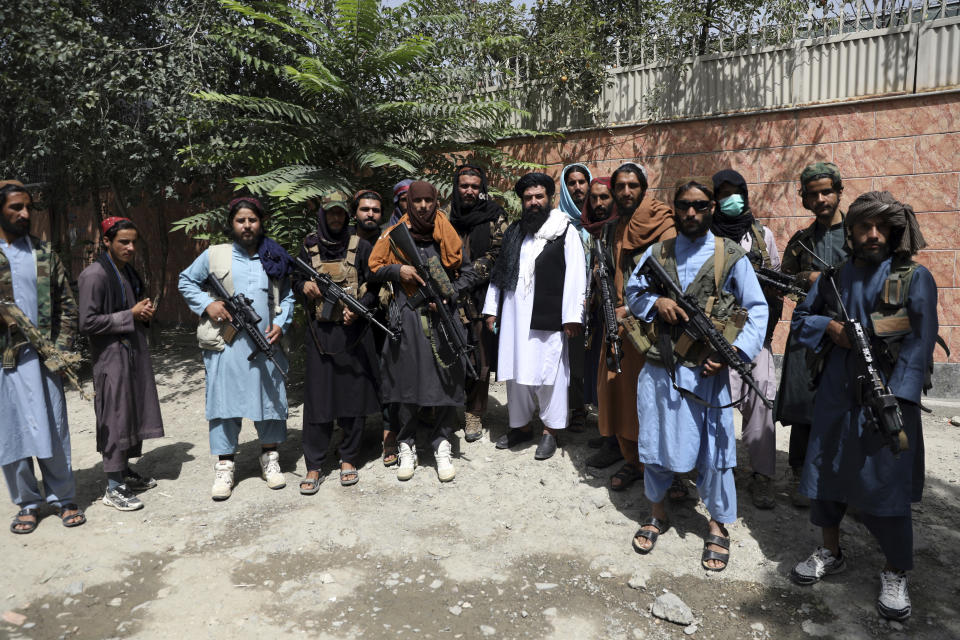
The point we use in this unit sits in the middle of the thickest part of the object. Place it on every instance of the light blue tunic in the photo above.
(32, 408)
(675, 432)
(236, 387)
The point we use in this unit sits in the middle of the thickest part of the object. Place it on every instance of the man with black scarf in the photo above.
(536, 296)
(480, 223)
(342, 381)
(734, 219)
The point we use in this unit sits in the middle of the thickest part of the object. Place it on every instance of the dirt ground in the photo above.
(513, 548)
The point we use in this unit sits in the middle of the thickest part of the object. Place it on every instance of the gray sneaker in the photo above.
(894, 600)
(820, 563)
(122, 499)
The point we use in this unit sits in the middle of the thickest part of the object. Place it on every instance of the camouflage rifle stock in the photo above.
(21, 331)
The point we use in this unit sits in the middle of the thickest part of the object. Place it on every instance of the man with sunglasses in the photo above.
(820, 191)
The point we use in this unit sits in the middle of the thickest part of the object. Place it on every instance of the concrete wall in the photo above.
(909, 146)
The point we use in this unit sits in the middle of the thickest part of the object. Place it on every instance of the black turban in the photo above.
(898, 215)
(535, 179)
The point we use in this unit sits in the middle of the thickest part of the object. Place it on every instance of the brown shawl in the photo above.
(446, 237)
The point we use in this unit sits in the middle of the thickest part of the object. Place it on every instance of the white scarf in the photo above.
(555, 225)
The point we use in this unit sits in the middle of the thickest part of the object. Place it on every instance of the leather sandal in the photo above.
(73, 520)
(18, 522)
(662, 527)
(625, 477)
(709, 554)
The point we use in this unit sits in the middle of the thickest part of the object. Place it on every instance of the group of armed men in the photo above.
(659, 314)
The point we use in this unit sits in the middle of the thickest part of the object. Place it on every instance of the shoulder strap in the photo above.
(718, 257)
(352, 250)
(221, 262)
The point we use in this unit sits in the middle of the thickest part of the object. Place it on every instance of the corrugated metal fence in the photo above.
(916, 57)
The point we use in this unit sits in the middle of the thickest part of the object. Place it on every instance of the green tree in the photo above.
(354, 95)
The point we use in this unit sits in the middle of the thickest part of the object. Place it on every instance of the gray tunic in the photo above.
(126, 403)
(410, 371)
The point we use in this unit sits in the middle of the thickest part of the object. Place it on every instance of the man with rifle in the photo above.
(873, 324)
(425, 368)
(641, 220)
(535, 304)
(39, 320)
(343, 371)
(242, 294)
(734, 219)
(708, 314)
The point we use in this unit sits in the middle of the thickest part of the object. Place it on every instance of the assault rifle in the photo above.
(17, 323)
(245, 319)
(881, 408)
(334, 293)
(701, 328)
(608, 307)
(428, 293)
(775, 280)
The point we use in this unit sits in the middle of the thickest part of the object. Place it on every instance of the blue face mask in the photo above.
(732, 205)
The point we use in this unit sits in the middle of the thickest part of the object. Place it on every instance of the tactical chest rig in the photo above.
(343, 273)
(719, 304)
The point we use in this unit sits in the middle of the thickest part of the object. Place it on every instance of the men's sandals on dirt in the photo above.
(74, 519)
(624, 478)
(709, 554)
(28, 526)
(662, 527)
(309, 486)
(349, 477)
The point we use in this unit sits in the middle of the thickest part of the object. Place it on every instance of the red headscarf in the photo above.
(593, 226)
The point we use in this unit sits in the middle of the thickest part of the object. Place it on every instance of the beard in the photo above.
(533, 218)
(600, 213)
(626, 211)
(18, 229)
(872, 254)
(247, 243)
(695, 231)
(368, 226)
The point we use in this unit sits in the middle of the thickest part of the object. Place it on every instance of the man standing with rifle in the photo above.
(536, 297)
(246, 368)
(33, 410)
(683, 391)
(343, 372)
(424, 369)
(642, 221)
(856, 457)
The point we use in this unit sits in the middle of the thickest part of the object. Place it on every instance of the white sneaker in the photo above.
(270, 470)
(894, 601)
(223, 480)
(820, 563)
(408, 461)
(445, 469)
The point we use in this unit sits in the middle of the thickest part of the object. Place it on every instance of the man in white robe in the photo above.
(535, 297)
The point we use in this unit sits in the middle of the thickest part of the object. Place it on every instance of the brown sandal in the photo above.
(391, 454)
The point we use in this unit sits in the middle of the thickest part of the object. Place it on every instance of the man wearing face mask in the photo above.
(734, 220)
(820, 191)
(848, 463)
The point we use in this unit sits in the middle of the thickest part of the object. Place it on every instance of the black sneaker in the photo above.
(514, 437)
(122, 499)
(136, 482)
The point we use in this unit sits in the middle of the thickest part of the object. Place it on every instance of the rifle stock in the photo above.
(16, 322)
